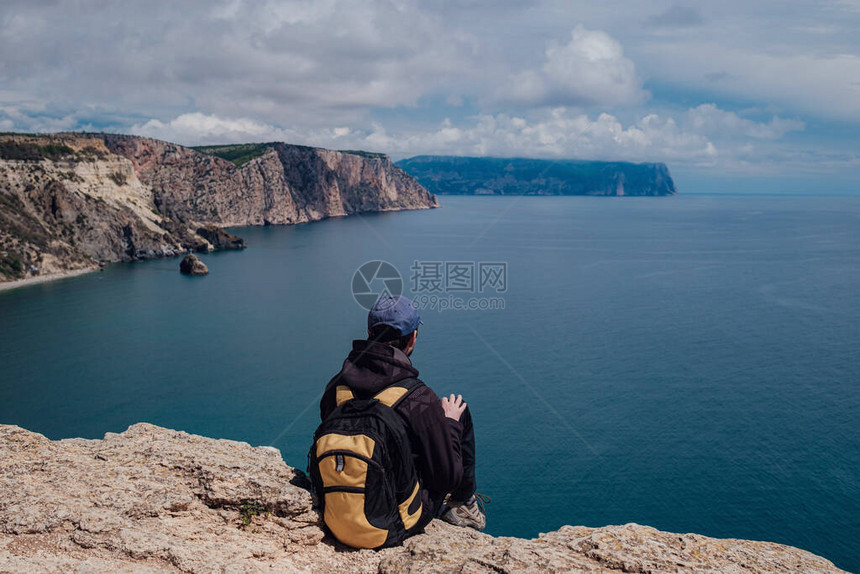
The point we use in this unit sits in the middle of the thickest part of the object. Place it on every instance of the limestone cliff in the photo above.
(156, 500)
(73, 201)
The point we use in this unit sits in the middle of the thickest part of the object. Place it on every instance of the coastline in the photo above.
(38, 279)
(18, 283)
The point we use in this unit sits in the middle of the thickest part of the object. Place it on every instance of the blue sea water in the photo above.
(691, 363)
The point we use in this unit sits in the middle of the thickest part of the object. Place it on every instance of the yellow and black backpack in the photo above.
(362, 469)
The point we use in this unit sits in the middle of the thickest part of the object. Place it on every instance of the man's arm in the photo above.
(436, 440)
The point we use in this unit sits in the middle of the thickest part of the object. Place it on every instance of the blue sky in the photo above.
(732, 95)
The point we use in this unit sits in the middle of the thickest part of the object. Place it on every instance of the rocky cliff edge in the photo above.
(156, 500)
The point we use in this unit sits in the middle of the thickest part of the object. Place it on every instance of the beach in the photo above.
(42, 279)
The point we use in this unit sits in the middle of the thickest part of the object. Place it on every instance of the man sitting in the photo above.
(440, 431)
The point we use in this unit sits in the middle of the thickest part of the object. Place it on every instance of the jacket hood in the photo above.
(370, 367)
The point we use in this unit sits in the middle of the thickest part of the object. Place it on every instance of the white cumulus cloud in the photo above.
(588, 70)
(704, 136)
(709, 83)
(199, 129)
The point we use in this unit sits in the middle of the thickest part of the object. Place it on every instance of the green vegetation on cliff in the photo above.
(33, 152)
(239, 154)
(367, 154)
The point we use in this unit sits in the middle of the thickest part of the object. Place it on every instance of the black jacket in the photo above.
(435, 438)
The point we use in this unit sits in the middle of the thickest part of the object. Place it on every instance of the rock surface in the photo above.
(74, 201)
(191, 265)
(286, 184)
(157, 500)
(219, 239)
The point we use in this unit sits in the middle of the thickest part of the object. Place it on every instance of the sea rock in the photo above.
(191, 265)
(156, 500)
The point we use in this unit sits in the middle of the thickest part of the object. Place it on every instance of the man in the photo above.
(440, 431)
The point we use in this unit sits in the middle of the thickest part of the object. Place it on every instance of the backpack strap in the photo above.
(343, 394)
(393, 395)
(390, 396)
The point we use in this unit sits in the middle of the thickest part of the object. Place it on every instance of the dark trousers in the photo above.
(467, 485)
(467, 449)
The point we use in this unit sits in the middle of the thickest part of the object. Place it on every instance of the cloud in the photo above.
(313, 62)
(798, 57)
(296, 61)
(549, 78)
(589, 70)
(24, 115)
(555, 133)
(207, 129)
(678, 17)
(200, 129)
(708, 118)
(703, 136)
(716, 76)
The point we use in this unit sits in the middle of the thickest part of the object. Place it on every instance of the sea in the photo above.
(691, 363)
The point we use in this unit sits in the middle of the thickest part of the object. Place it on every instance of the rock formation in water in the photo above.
(191, 265)
(219, 239)
(73, 201)
(156, 500)
(519, 176)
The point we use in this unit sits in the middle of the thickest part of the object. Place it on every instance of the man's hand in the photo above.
(453, 406)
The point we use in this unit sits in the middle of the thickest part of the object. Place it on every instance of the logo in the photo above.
(373, 280)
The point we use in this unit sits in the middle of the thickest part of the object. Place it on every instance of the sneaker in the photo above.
(467, 514)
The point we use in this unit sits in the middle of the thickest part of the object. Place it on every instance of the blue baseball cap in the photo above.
(395, 311)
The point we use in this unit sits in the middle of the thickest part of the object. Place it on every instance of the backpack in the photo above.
(362, 470)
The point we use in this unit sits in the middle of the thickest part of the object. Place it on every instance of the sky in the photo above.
(734, 96)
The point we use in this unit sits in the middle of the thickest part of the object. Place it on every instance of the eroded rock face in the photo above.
(220, 239)
(157, 500)
(74, 209)
(287, 184)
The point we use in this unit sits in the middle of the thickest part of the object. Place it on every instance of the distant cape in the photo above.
(519, 176)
